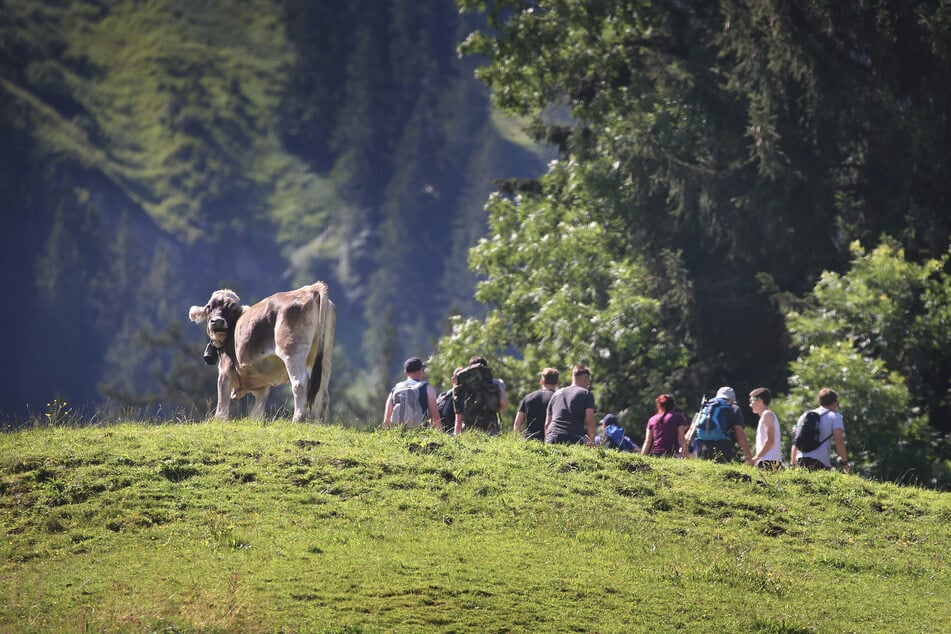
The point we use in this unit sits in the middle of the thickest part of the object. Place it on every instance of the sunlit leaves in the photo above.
(878, 335)
(884, 303)
(560, 291)
(874, 401)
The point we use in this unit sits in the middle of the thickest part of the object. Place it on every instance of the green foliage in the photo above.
(559, 294)
(242, 527)
(874, 402)
(873, 335)
(891, 306)
(752, 140)
(260, 145)
(174, 106)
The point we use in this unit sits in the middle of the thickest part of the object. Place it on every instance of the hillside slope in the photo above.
(285, 527)
(158, 151)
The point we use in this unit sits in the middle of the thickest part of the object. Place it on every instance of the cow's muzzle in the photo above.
(217, 324)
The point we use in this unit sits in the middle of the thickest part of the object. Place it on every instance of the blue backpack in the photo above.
(714, 420)
(615, 438)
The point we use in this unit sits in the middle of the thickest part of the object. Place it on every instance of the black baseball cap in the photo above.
(413, 364)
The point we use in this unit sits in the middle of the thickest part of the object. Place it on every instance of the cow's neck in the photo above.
(227, 348)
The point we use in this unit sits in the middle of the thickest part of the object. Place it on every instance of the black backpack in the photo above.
(447, 413)
(805, 434)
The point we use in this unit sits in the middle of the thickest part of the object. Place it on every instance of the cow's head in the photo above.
(219, 314)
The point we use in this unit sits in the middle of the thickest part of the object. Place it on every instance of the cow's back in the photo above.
(284, 323)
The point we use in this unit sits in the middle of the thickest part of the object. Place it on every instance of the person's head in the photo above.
(549, 377)
(455, 373)
(760, 398)
(581, 375)
(828, 398)
(665, 403)
(413, 367)
(611, 429)
(478, 359)
(727, 394)
(610, 419)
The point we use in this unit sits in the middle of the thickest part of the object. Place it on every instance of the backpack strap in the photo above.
(725, 413)
(424, 398)
(822, 442)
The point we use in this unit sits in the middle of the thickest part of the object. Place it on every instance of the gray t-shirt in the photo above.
(567, 407)
(535, 408)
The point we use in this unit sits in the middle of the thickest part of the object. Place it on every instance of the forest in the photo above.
(156, 152)
(680, 195)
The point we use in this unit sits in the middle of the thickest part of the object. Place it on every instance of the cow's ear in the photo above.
(197, 314)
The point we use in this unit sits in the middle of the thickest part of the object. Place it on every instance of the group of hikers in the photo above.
(566, 415)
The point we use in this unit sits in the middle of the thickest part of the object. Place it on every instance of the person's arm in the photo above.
(770, 439)
(590, 425)
(793, 456)
(434, 421)
(458, 404)
(740, 432)
(388, 411)
(519, 421)
(648, 441)
(744, 444)
(839, 437)
(682, 439)
(503, 397)
(548, 416)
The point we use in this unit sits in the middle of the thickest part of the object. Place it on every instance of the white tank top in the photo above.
(775, 452)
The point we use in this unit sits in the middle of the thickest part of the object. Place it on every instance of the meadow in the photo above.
(280, 527)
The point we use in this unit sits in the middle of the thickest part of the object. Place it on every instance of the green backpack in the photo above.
(476, 396)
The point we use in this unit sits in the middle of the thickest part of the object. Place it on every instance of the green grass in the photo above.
(293, 527)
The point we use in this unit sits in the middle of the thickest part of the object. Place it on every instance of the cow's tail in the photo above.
(325, 341)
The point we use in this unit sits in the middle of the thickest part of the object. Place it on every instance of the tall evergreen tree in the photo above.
(748, 141)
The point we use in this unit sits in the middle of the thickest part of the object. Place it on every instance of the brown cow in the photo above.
(288, 336)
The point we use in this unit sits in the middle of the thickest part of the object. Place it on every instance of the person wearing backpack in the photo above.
(720, 428)
(478, 398)
(612, 436)
(812, 435)
(570, 417)
(534, 407)
(412, 400)
(768, 441)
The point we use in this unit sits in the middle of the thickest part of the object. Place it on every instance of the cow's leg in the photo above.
(224, 396)
(297, 372)
(260, 401)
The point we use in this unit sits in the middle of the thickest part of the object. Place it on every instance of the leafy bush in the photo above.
(877, 335)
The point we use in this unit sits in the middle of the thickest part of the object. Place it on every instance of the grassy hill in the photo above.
(279, 527)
